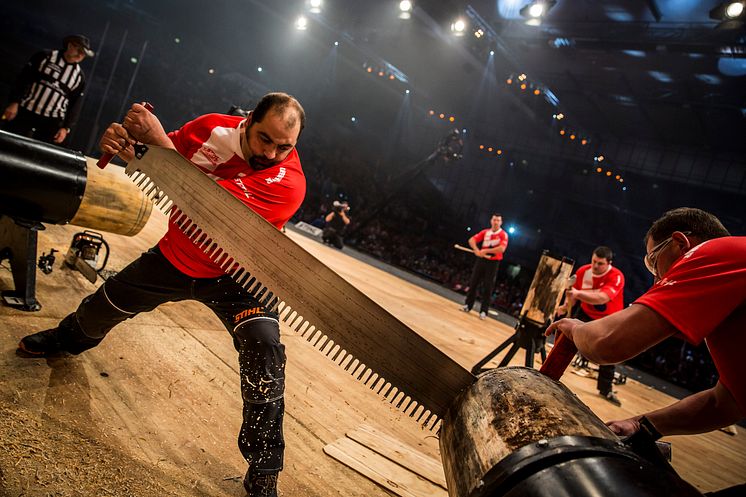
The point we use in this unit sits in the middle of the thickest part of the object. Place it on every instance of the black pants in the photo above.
(482, 278)
(606, 371)
(33, 125)
(150, 281)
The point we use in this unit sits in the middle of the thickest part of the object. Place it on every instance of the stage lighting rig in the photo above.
(732, 14)
(314, 6)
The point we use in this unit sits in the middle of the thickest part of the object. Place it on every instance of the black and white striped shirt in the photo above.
(51, 87)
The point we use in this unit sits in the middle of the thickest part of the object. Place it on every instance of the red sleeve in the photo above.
(702, 288)
(504, 239)
(613, 284)
(479, 237)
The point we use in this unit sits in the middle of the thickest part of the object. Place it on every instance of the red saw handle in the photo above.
(560, 357)
(103, 161)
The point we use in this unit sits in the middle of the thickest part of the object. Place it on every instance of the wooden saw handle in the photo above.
(560, 357)
(103, 161)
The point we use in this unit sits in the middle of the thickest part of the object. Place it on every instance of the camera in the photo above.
(339, 207)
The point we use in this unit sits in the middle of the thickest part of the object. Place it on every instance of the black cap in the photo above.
(80, 39)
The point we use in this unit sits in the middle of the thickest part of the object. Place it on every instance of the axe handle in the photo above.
(103, 161)
(559, 357)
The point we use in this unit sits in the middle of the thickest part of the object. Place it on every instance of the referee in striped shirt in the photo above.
(45, 101)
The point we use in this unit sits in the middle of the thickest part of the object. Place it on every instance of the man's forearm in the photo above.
(699, 413)
(593, 297)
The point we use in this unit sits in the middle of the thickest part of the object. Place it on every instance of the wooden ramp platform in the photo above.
(155, 409)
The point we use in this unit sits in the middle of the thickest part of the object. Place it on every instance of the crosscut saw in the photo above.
(334, 316)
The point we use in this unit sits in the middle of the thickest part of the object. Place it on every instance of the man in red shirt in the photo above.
(700, 294)
(255, 159)
(493, 242)
(600, 289)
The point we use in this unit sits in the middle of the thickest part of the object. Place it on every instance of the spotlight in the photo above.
(511, 229)
(211, 71)
(259, 69)
(479, 33)
(562, 132)
(509, 81)
(600, 158)
(734, 10)
(353, 119)
(732, 14)
(380, 73)
(523, 86)
(405, 9)
(336, 43)
(370, 69)
(489, 149)
(451, 118)
(314, 6)
(608, 173)
(572, 137)
(406, 91)
(537, 9)
(301, 24)
(537, 92)
(584, 142)
(441, 115)
(391, 76)
(492, 52)
(618, 177)
(598, 169)
(560, 116)
(499, 152)
(431, 112)
(458, 27)
(481, 147)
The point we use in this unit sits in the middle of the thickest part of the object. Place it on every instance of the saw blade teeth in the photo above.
(324, 345)
(273, 304)
(241, 280)
(416, 409)
(260, 293)
(267, 299)
(238, 274)
(352, 364)
(319, 341)
(405, 399)
(141, 180)
(333, 353)
(345, 358)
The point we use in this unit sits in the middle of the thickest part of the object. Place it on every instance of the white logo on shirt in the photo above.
(277, 178)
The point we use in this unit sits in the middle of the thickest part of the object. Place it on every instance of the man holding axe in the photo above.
(488, 246)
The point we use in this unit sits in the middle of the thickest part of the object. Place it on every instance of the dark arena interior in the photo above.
(451, 248)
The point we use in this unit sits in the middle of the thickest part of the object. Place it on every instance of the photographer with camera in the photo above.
(336, 222)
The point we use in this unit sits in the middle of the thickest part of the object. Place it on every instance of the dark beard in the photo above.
(259, 165)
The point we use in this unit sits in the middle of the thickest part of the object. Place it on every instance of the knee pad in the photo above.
(258, 330)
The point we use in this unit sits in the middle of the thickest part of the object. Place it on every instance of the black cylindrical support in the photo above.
(39, 181)
(580, 467)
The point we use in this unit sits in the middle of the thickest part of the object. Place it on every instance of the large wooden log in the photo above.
(517, 432)
(111, 202)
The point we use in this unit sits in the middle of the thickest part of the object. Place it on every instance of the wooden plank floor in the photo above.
(154, 410)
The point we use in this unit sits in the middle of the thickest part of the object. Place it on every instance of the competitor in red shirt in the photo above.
(254, 159)
(700, 294)
(488, 246)
(600, 289)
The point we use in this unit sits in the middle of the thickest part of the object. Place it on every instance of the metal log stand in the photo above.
(45, 184)
(541, 301)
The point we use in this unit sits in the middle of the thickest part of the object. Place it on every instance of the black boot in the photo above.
(260, 484)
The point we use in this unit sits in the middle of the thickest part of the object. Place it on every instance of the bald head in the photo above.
(284, 106)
